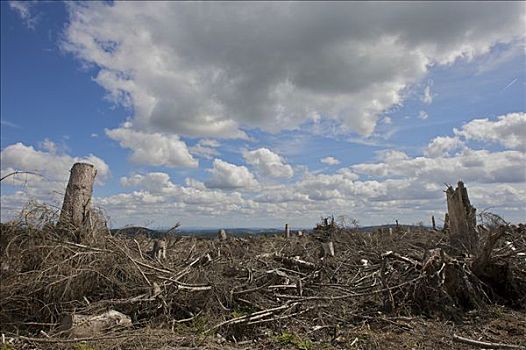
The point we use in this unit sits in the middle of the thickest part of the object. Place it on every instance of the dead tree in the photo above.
(76, 208)
(433, 222)
(463, 236)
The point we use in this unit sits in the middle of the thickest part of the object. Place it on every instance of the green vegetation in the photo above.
(83, 346)
(291, 338)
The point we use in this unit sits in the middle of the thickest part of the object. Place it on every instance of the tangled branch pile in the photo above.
(245, 289)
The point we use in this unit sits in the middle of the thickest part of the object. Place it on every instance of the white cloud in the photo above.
(205, 148)
(214, 69)
(508, 130)
(50, 183)
(470, 165)
(330, 161)
(154, 148)
(228, 176)
(442, 146)
(23, 8)
(391, 155)
(52, 166)
(268, 163)
(387, 120)
(422, 115)
(427, 98)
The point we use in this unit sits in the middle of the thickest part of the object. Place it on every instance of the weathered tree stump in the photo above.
(76, 208)
(433, 222)
(159, 249)
(77, 199)
(82, 326)
(221, 234)
(463, 238)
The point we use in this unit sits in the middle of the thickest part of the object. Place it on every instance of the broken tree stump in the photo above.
(83, 326)
(446, 223)
(76, 208)
(433, 222)
(463, 238)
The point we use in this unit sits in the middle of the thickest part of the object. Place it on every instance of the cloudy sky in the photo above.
(256, 114)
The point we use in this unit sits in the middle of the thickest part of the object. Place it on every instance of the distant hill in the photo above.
(239, 232)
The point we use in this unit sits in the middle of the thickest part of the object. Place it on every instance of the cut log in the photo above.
(77, 200)
(81, 326)
(463, 238)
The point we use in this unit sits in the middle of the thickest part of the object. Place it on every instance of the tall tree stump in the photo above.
(287, 231)
(463, 237)
(77, 200)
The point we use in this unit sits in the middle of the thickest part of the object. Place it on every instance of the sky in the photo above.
(242, 114)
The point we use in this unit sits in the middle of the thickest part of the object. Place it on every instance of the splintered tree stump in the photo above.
(287, 231)
(463, 237)
(77, 200)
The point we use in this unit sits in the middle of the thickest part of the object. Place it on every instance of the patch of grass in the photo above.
(82, 346)
(199, 324)
(290, 338)
(7, 347)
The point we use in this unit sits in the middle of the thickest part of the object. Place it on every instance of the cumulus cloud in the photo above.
(442, 146)
(228, 176)
(469, 165)
(154, 148)
(205, 148)
(214, 69)
(48, 163)
(330, 161)
(508, 130)
(268, 163)
(50, 183)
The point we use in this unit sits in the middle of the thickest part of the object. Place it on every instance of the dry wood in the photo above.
(79, 326)
(463, 237)
(77, 200)
(483, 344)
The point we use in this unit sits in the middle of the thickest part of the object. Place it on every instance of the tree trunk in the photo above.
(287, 231)
(463, 237)
(433, 222)
(77, 200)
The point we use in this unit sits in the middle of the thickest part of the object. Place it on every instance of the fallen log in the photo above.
(80, 326)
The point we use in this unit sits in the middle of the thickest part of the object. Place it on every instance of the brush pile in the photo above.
(265, 292)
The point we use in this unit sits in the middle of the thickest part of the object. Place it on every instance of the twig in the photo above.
(483, 344)
(252, 317)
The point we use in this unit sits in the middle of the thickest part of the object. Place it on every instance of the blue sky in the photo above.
(211, 115)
